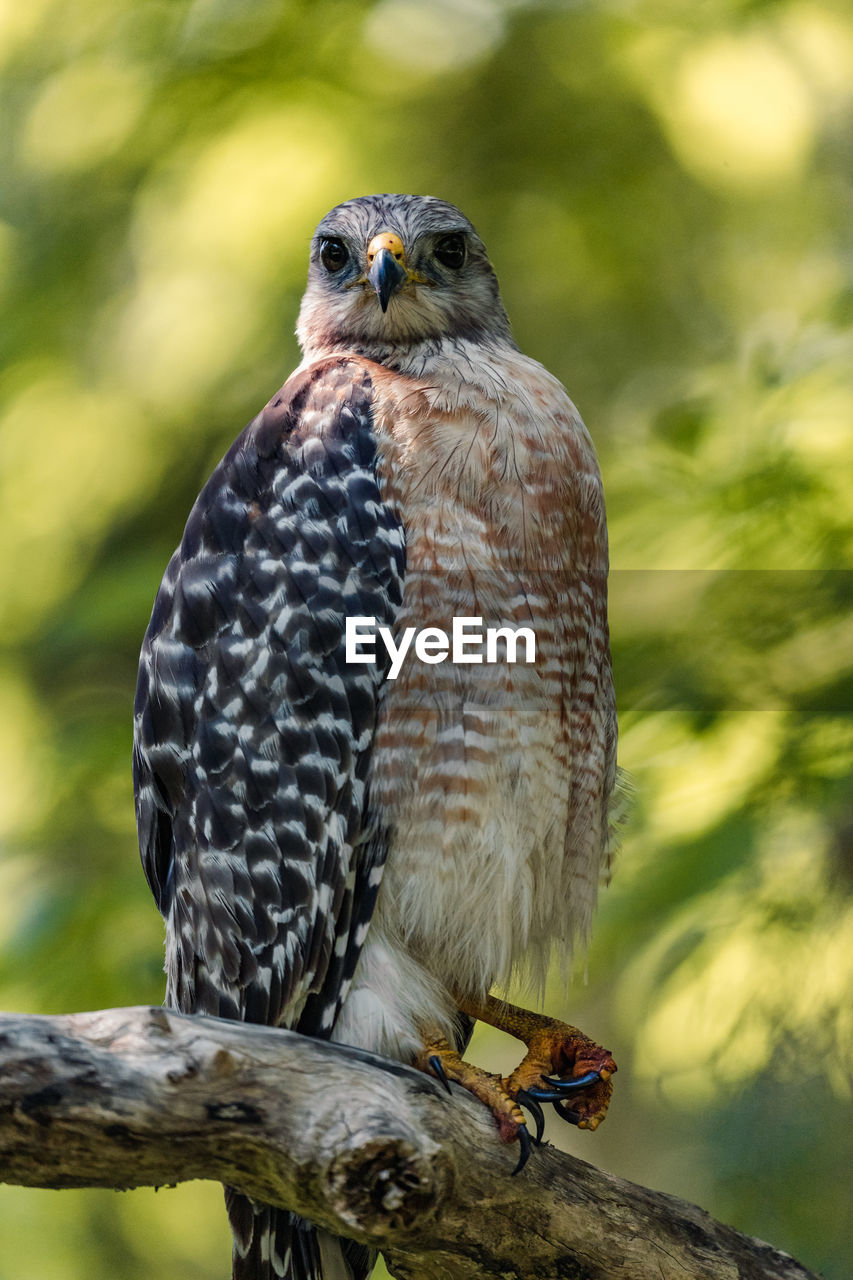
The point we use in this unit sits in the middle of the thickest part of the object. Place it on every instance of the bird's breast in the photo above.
(471, 762)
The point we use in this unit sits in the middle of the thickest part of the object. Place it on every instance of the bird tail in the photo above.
(272, 1244)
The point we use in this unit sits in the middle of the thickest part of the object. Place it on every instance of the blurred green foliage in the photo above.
(664, 188)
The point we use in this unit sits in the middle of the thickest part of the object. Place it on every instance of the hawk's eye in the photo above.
(450, 250)
(333, 254)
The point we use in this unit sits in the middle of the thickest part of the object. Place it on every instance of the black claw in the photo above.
(438, 1067)
(542, 1095)
(527, 1100)
(571, 1117)
(524, 1142)
(572, 1086)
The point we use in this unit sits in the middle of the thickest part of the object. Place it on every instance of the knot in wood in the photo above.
(385, 1185)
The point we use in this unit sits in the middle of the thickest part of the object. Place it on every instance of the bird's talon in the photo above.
(564, 1112)
(544, 1075)
(437, 1066)
(524, 1143)
(575, 1085)
(530, 1102)
(542, 1095)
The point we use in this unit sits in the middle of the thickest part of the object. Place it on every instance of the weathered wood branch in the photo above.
(368, 1148)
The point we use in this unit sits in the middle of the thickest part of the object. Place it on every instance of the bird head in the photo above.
(394, 271)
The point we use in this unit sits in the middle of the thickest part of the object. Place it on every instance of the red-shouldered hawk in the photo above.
(355, 849)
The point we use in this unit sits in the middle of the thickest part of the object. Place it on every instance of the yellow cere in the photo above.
(386, 240)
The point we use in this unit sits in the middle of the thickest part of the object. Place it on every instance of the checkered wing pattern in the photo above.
(253, 737)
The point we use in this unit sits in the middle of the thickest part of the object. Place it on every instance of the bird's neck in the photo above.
(416, 359)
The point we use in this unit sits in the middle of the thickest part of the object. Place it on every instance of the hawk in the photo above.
(356, 856)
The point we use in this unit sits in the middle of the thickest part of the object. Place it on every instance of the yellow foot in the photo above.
(439, 1059)
(562, 1065)
(565, 1067)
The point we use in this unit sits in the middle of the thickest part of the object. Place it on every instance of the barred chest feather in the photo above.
(492, 777)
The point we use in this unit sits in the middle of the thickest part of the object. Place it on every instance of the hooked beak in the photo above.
(387, 272)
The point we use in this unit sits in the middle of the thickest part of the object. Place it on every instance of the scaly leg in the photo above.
(438, 1058)
(560, 1063)
(582, 1068)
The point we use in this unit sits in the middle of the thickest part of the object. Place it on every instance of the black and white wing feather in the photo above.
(252, 734)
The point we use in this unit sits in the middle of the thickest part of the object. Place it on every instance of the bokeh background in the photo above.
(664, 188)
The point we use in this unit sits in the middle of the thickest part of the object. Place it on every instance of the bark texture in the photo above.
(366, 1147)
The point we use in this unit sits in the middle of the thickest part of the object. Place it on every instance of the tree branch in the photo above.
(366, 1147)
